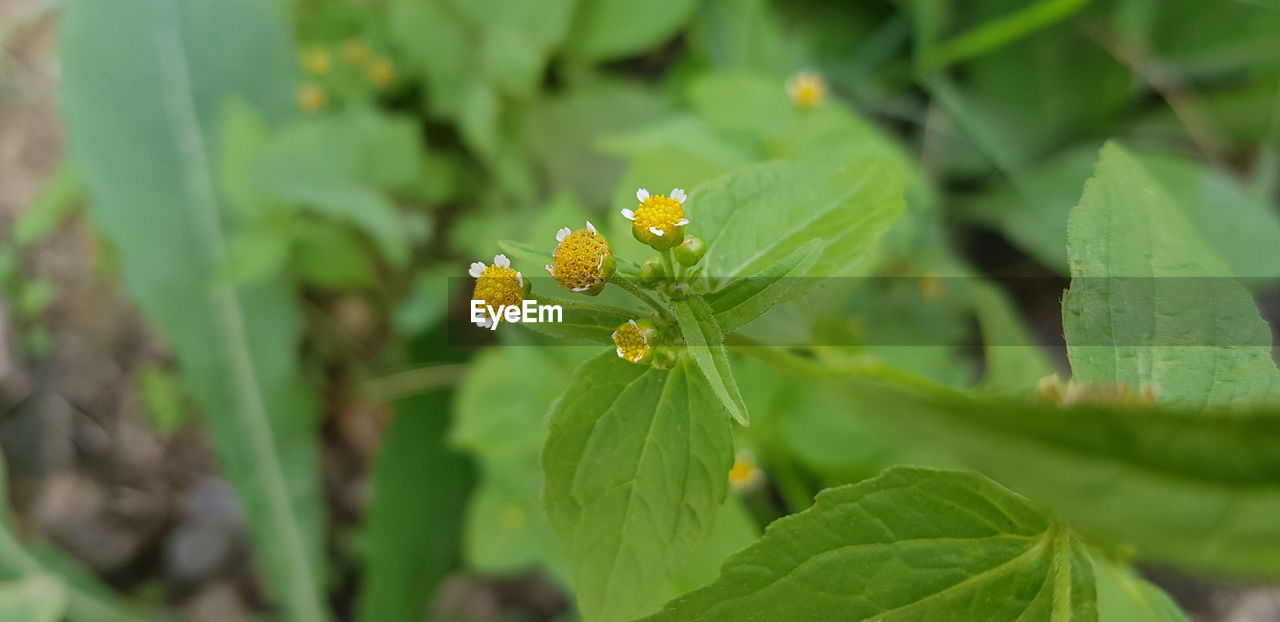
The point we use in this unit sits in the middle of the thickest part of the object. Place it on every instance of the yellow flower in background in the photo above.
(382, 71)
(355, 51)
(582, 261)
(632, 341)
(498, 286)
(746, 473)
(659, 220)
(311, 97)
(807, 89)
(316, 60)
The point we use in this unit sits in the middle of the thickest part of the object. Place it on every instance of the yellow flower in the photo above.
(659, 220)
(583, 260)
(746, 474)
(355, 51)
(632, 340)
(316, 60)
(497, 286)
(311, 97)
(807, 89)
(381, 71)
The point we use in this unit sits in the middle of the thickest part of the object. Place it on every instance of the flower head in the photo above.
(382, 71)
(582, 261)
(633, 340)
(659, 220)
(316, 60)
(311, 97)
(746, 473)
(355, 51)
(497, 286)
(807, 89)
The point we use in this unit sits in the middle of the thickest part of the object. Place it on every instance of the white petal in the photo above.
(642, 195)
(483, 322)
(628, 214)
(476, 270)
(550, 270)
(520, 278)
(656, 231)
(562, 234)
(580, 289)
(591, 227)
(600, 264)
(614, 335)
(678, 194)
(620, 354)
(501, 261)
(633, 323)
(682, 222)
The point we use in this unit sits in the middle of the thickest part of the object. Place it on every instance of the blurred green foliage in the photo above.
(291, 193)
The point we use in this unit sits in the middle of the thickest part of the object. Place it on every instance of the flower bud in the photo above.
(690, 251)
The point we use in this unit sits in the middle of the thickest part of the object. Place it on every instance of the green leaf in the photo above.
(760, 214)
(583, 322)
(911, 544)
(1125, 597)
(748, 298)
(1116, 472)
(414, 521)
(38, 598)
(1136, 312)
(606, 29)
(143, 88)
(507, 529)
(353, 204)
(1014, 361)
(636, 468)
(706, 346)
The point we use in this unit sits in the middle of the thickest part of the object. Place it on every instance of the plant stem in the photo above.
(669, 263)
(403, 384)
(634, 290)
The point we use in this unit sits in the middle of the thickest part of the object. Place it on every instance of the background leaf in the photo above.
(1151, 304)
(157, 201)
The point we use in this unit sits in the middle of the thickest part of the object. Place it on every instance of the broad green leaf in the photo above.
(636, 465)
(1117, 473)
(414, 521)
(144, 83)
(607, 29)
(507, 529)
(748, 298)
(735, 529)
(583, 322)
(37, 598)
(755, 217)
(1151, 304)
(910, 544)
(1125, 597)
(1239, 225)
(705, 340)
(353, 204)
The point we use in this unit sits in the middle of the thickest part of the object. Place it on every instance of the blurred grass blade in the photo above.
(414, 524)
(997, 33)
(144, 81)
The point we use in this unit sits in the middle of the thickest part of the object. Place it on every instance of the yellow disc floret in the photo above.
(316, 60)
(497, 286)
(633, 341)
(311, 97)
(355, 52)
(746, 473)
(583, 260)
(381, 71)
(807, 89)
(659, 220)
